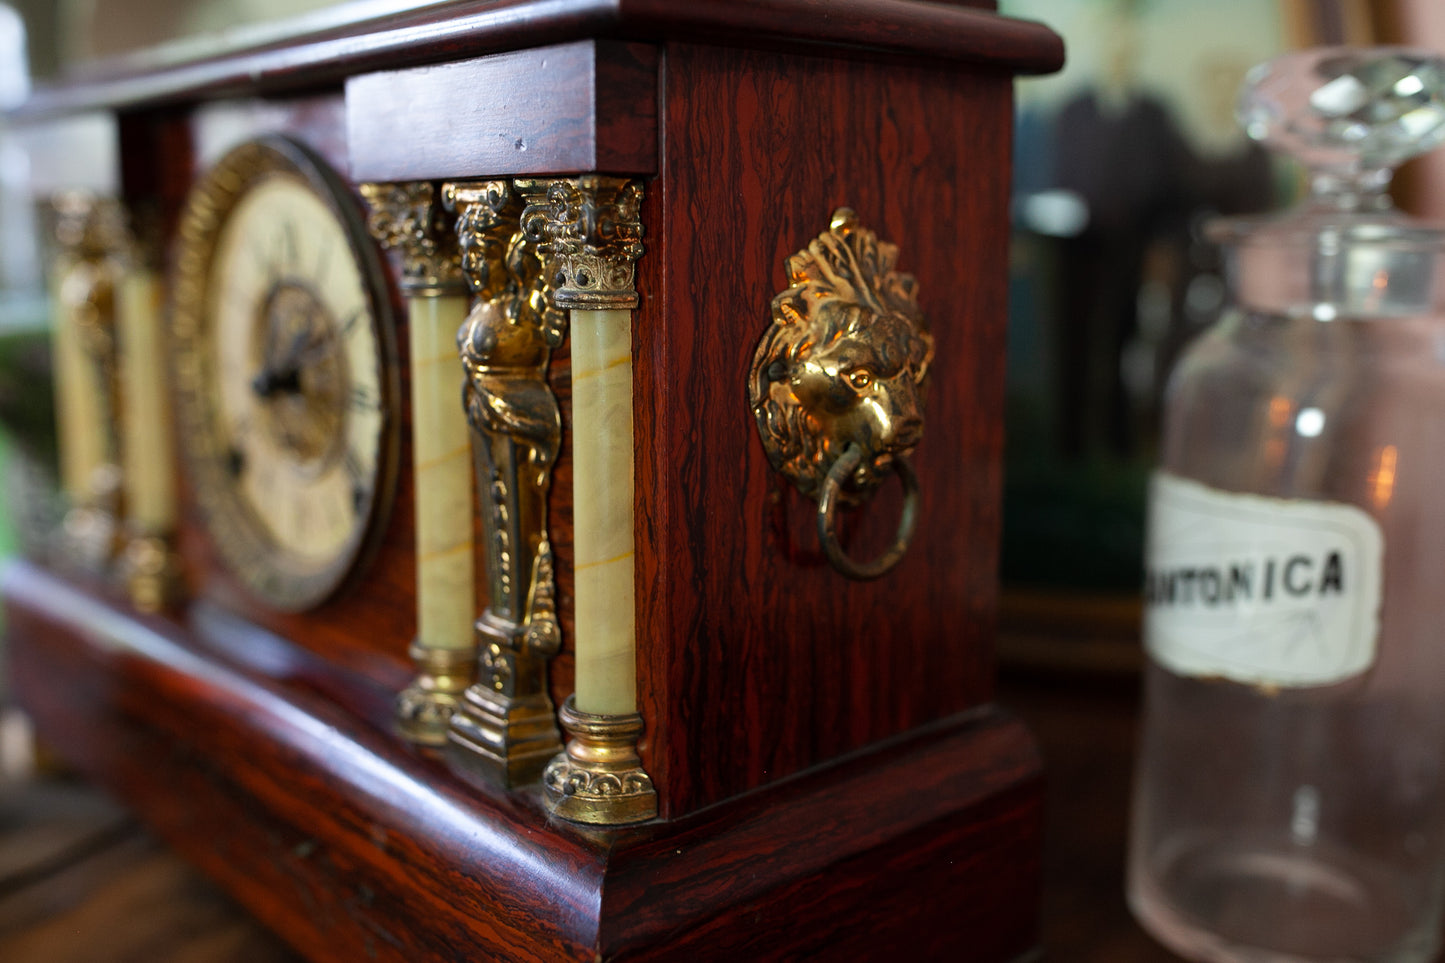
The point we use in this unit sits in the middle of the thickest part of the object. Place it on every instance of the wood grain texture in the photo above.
(950, 847)
(470, 28)
(756, 658)
(584, 106)
(90, 849)
(330, 830)
(265, 766)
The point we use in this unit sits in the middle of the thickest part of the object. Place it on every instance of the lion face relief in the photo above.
(845, 362)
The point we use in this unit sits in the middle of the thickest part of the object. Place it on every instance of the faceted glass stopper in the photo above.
(1349, 114)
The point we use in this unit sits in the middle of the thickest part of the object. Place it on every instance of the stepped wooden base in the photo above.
(279, 776)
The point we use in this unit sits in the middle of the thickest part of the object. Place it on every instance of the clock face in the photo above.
(285, 372)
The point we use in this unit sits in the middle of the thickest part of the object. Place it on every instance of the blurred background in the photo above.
(1120, 160)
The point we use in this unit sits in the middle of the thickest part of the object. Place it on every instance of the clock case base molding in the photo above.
(275, 772)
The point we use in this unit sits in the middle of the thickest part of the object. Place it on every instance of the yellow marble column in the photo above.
(442, 464)
(146, 455)
(409, 217)
(146, 439)
(602, 511)
(594, 238)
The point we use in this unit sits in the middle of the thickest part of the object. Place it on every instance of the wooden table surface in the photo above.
(82, 882)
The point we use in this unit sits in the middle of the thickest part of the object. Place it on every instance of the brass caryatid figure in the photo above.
(94, 248)
(506, 343)
(838, 381)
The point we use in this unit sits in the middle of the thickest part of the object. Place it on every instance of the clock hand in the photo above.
(297, 346)
(273, 381)
(285, 374)
(319, 342)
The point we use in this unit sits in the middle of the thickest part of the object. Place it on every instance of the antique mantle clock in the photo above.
(533, 471)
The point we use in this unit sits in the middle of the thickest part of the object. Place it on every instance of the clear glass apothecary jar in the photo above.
(1290, 793)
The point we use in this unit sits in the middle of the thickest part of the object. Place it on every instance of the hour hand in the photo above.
(284, 374)
(270, 382)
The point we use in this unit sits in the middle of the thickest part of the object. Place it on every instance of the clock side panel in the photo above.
(756, 659)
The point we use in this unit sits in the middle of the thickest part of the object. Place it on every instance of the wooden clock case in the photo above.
(834, 781)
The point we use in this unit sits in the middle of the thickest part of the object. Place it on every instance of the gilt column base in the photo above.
(424, 709)
(508, 739)
(599, 779)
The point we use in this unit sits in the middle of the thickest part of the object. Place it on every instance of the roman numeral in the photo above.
(352, 322)
(323, 262)
(363, 398)
(288, 244)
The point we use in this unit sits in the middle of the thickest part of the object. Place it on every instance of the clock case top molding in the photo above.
(826, 753)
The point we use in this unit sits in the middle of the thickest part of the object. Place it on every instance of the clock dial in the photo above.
(286, 372)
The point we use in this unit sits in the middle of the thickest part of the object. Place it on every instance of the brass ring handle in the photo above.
(828, 500)
(844, 368)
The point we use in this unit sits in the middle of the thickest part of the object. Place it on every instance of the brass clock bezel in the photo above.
(275, 576)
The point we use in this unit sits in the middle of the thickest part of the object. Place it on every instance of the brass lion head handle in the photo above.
(838, 380)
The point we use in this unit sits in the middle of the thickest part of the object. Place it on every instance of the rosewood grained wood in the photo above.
(599, 100)
(758, 659)
(283, 783)
(739, 616)
(272, 770)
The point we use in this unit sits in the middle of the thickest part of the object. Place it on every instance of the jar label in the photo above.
(1265, 591)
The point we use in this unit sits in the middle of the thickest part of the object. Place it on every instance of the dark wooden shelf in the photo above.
(81, 880)
(275, 773)
(102, 879)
